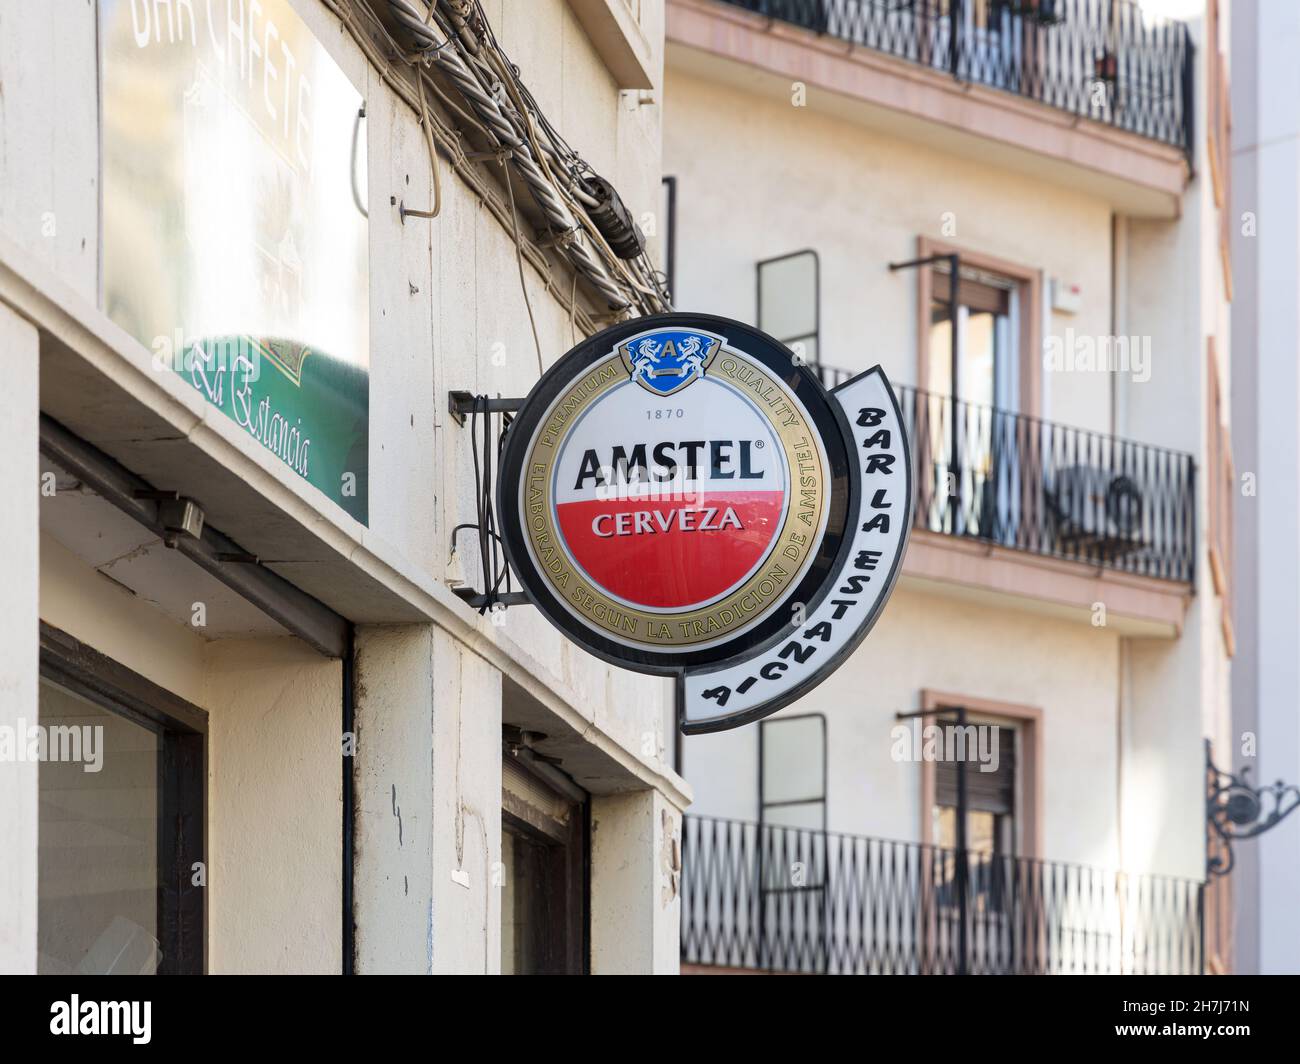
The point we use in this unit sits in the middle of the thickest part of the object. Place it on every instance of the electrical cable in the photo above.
(482, 87)
(502, 109)
(519, 261)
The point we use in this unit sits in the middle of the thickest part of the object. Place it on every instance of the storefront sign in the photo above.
(235, 240)
(682, 498)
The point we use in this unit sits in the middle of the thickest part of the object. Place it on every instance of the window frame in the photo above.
(182, 730)
(763, 804)
(1029, 343)
(816, 334)
(1028, 722)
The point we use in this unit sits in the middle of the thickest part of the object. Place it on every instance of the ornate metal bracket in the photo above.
(486, 440)
(1236, 809)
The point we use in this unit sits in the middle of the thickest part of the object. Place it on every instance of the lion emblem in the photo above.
(667, 360)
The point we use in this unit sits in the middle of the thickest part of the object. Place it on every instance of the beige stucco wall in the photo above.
(928, 642)
(274, 808)
(861, 198)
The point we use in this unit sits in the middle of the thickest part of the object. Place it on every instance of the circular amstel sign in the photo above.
(673, 490)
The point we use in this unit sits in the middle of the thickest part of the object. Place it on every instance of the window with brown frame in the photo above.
(1220, 493)
(1017, 786)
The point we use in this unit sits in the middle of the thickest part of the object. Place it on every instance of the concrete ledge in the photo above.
(1135, 605)
(618, 41)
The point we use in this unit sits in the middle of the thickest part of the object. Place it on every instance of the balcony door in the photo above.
(971, 444)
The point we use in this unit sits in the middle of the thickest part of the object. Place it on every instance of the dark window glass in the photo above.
(98, 832)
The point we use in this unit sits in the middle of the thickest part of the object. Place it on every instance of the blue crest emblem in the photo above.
(664, 361)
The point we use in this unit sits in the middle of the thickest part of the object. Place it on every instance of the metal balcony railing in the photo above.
(1100, 59)
(795, 900)
(1049, 489)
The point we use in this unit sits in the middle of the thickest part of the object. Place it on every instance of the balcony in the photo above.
(766, 898)
(1030, 485)
(1103, 60)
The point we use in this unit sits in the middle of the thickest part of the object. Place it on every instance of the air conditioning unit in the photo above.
(1089, 502)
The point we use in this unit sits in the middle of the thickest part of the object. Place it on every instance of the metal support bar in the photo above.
(954, 284)
(495, 568)
(304, 616)
(963, 855)
(477, 600)
(461, 404)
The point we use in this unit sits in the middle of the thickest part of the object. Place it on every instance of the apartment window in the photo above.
(121, 874)
(789, 302)
(984, 365)
(998, 316)
(544, 854)
(968, 381)
(1003, 803)
(792, 771)
(791, 871)
(1218, 900)
(990, 796)
(976, 332)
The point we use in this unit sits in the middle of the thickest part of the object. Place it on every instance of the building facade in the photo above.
(1265, 683)
(1020, 212)
(247, 252)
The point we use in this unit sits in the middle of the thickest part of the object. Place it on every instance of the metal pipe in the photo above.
(349, 804)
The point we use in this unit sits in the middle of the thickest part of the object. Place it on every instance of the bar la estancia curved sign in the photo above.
(681, 497)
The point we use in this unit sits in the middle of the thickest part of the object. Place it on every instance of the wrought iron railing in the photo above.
(1101, 59)
(772, 898)
(1050, 489)
(1033, 485)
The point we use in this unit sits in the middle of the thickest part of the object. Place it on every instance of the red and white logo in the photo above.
(670, 504)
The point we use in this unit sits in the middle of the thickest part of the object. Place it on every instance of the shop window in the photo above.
(545, 868)
(121, 868)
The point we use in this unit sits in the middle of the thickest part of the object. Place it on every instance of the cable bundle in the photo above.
(585, 218)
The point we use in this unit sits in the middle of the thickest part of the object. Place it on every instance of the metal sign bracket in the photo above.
(498, 591)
